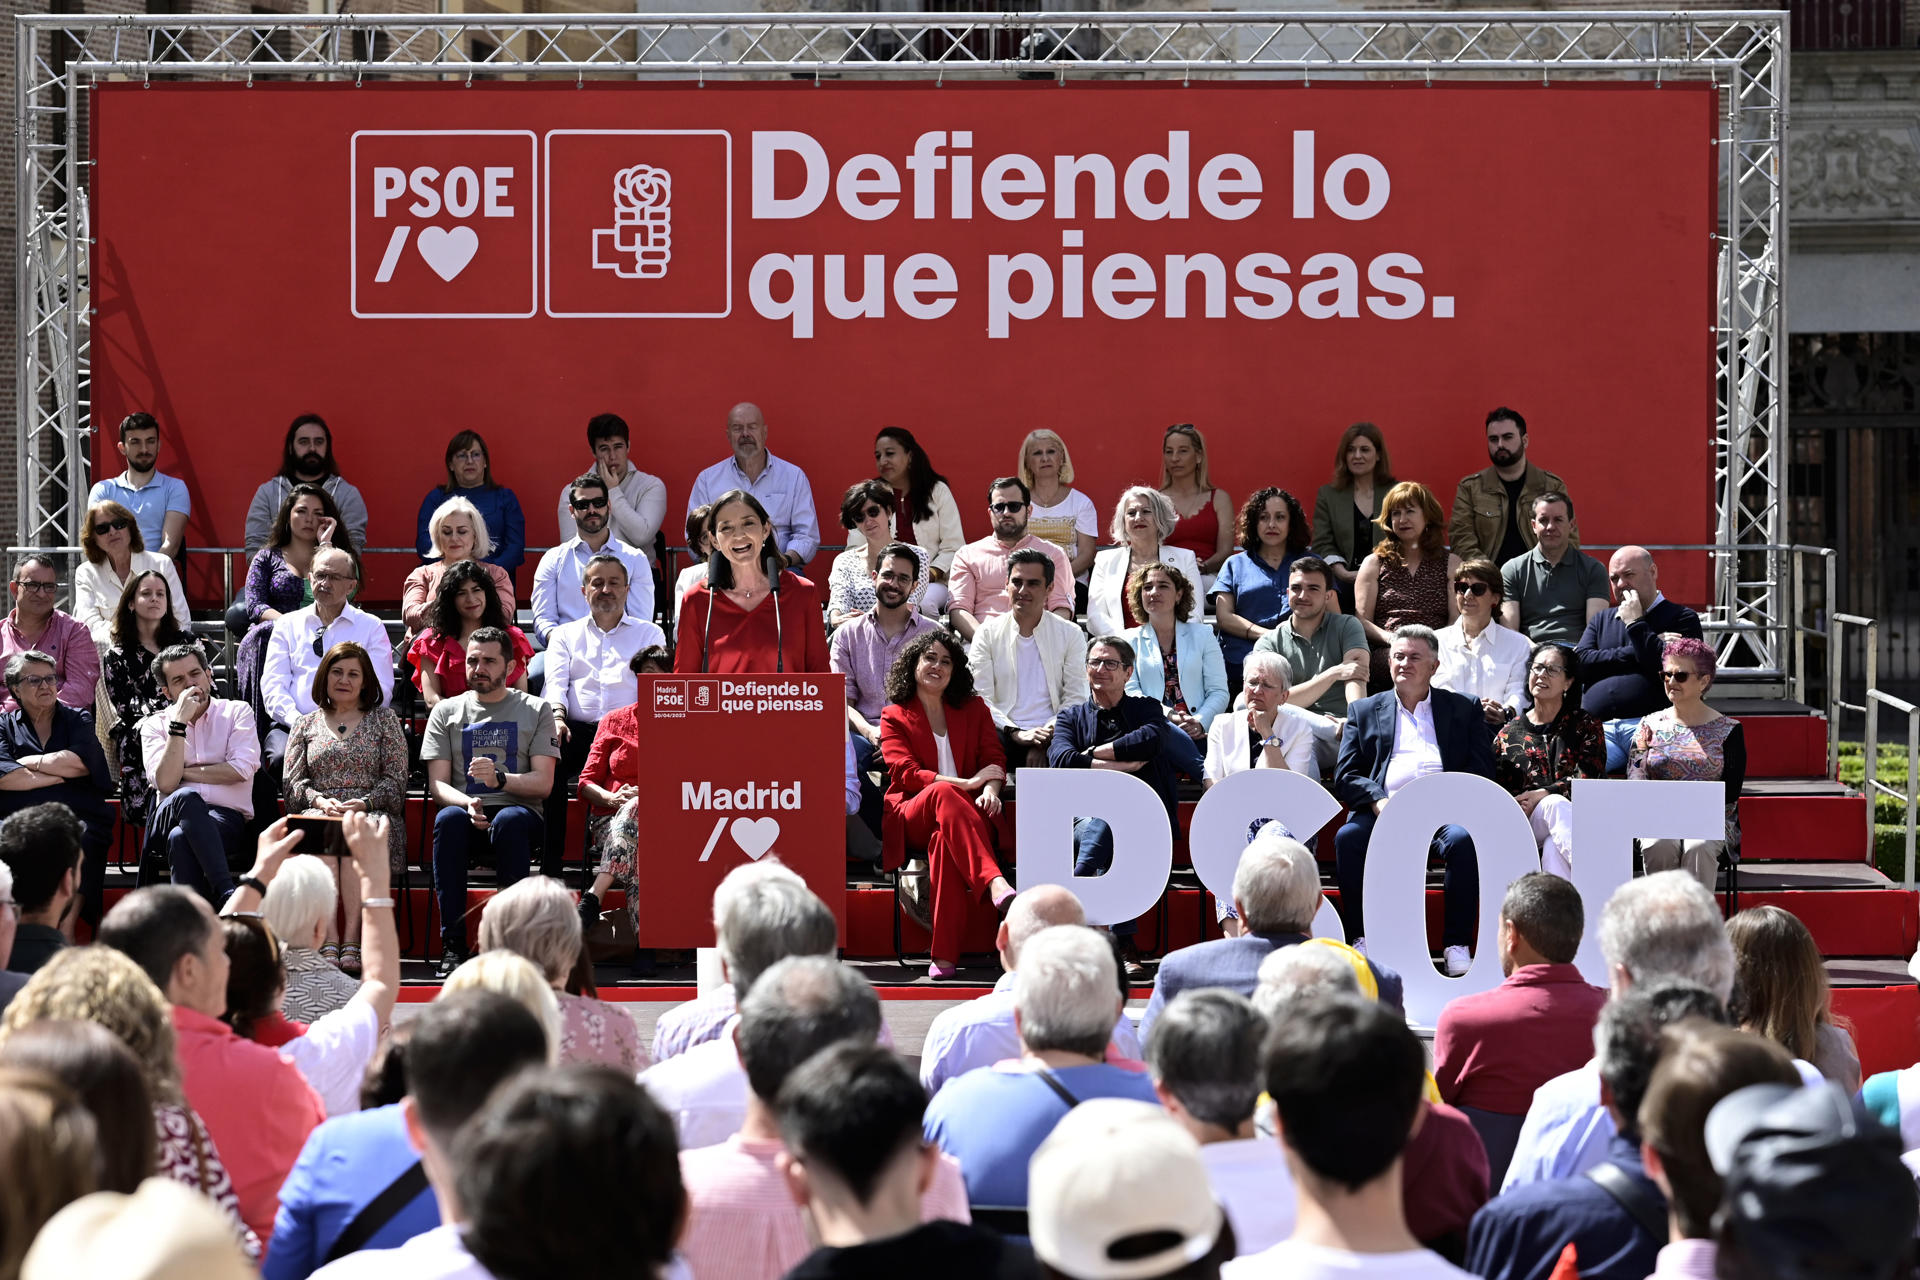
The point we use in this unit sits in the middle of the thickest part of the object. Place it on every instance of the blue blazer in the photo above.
(1145, 735)
(1366, 747)
(1203, 669)
(1234, 963)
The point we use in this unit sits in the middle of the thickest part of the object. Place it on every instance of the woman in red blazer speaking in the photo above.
(945, 768)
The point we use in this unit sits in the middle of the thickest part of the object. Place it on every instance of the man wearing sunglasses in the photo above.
(636, 501)
(557, 582)
(1621, 648)
(979, 578)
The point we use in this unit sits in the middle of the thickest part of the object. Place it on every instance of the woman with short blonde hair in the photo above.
(455, 532)
(1061, 514)
(1142, 520)
(537, 918)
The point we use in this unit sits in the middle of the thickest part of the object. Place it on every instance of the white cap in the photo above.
(163, 1231)
(1114, 1168)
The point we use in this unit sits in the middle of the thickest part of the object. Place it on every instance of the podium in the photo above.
(735, 769)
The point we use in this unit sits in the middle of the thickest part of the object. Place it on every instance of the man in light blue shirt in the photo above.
(781, 487)
(159, 502)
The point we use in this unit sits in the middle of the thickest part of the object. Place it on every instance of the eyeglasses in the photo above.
(1677, 677)
(1475, 589)
(38, 682)
(587, 504)
(112, 526)
(38, 586)
(328, 575)
(1103, 664)
(1547, 669)
(471, 455)
(1007, 508)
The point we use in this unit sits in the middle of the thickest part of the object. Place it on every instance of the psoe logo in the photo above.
(669, 697)
(639, 244)
(755, 836)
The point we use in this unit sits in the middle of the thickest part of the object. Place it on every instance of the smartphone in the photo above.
(318, 834)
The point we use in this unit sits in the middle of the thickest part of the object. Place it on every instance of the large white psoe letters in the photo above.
(1048, 802)
(1218, 833)
(1608, 816)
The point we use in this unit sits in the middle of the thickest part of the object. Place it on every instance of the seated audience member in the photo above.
(50, 754)
(143, 625)
(850, 1118)
(992, 1119)
(590, 675)
(1620, 651)
(612, 820)
(536, 918)
(306, 458)
(1699, 1064)
(490, 755)
(34, 624)
(1479, 657)
(981, 1032)
(1204, 1055)
(43, 847)
(781, 490)
(1491, 506)
(1266, 733)
(1250, 596)
(1343, 511)
(1028, 664)
(257, 1105)
(1553, 591)
(1326, 653)
(1654, 927)
(256, 978)
(864, 650)
(1119, 1188)
(921, 493)
(982, 571)
(299, 907)
(463, 602)
(700, 549)
(559, 582)
(732, 627)
(1177, 661)
(495, 1177)
(742, 1221)
(1521, 1233)
(158, 501)
(1691, 741)
(500, 531)
(1141, 523)
(1117, 730)
(1538, 753)
(753, 926)
(1813, 1186)
(1403, 581)
(867, 509)
(349, 1189)
(945, 773)
(1780, 991)
(114, 553)
(512, 975)
(1392, 738)
(1203, 513)
(348, 755)
(636, 502)
(108, 1080)
(1494, 1048)
(280, 577)
(1061, 514)
(202, 753)
(1346, 1077)
(459, 536)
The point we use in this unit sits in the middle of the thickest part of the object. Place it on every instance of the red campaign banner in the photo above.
(737, 768)
(1269, 261)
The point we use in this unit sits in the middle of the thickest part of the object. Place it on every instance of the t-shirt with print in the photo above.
(510, 732)
(1060, 522)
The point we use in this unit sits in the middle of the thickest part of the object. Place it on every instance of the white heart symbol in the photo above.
(755, 835)
(448, 252)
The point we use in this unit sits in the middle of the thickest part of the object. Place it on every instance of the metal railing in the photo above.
(1847, 24)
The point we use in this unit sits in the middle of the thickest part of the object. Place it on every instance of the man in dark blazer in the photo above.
(1620, 650)
(1435, 732)
(1276, 891)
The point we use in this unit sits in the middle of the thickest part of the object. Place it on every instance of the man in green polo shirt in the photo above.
(1326, 650)
(1555, 588)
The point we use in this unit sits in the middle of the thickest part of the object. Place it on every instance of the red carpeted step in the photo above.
(1785, 746)
(1829, 828)
(1850, 922)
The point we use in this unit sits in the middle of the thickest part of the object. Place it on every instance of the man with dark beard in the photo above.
(863, 650)
(1492, 509)
(306, 458)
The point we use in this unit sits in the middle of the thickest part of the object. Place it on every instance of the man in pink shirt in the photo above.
(742, 1222)
(257, 1106)
(978, 580)
(34, 623)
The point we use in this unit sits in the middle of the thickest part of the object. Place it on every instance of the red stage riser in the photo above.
(1785, 746)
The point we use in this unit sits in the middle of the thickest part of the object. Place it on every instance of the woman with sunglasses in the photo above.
(144, 623)
(866, 512)
(1403, 581)
(116, 552)
(1479, 658)
(464, 601)
(1692, 742)
(1538, 753)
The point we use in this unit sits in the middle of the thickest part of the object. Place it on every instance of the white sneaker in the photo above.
(1360, 945)
(1457, 961)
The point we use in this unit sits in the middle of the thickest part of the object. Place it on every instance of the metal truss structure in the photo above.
(61, 56)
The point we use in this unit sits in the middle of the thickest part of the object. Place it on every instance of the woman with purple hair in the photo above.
(1692, 742)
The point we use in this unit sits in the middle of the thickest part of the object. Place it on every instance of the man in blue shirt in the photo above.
(993, 1119)
(361, 1173)
(158, 501)
(782, 488)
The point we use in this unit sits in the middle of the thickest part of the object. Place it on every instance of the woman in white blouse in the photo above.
(1141, 523)
(866, 509)
(115, 552)
(922, 494)
(1264, 734)
(1478, 657)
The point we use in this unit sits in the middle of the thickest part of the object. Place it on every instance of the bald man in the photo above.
(781, 487)
(1620, 651)
(980, 1032)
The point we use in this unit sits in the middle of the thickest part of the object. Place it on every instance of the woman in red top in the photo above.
(743, 620)
(607, 782)
(946, 768)
(1206, 524)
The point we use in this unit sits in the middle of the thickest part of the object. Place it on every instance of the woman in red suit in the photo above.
(946, 768)
(750, 616)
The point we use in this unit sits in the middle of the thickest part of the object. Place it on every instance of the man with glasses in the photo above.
(36, 624)
(1028, 664)
(1621, 647)
(202, 753)
(1554, 590)
(782, 488)
(49, 752)
(557, 583)
(41, 848)
(637, 502)
(1325, 651)
(979, 579)
(158, 501)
